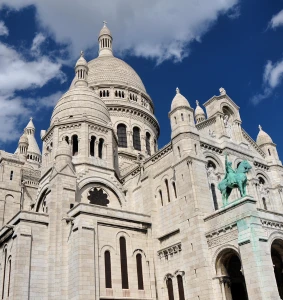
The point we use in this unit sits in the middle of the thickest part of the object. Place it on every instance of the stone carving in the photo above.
(232, 235)
(170, 251)
(234, 178)
(211, 133)
(228, 126)
(222, 91)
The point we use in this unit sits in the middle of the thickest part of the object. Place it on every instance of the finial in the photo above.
(177, 91)
(260, 128)
(197, 103)
(31, 118)
(104, 22)
(222, 91)
(82, 53)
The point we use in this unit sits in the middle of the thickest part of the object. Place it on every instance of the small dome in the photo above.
(81, 102)
(23, 139)
(263, 137)
(179, 101)
(104, 30)
(81, 61)
(199, 111)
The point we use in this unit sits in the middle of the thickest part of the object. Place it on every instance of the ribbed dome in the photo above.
(81, 61)
(79, 102)
(199, 111)
(263, 137)
(111, 70)
(179, 101)
(104, 30)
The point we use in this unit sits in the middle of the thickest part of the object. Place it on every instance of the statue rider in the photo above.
(229, 171)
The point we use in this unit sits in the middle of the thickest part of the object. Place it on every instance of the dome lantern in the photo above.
(105, 41)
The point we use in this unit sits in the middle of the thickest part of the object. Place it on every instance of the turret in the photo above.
(105, 41)
(23, 146)
(266, 144)
(33, 152)
(182, 122)
(63, 155)
(81, 70)
(199, 113)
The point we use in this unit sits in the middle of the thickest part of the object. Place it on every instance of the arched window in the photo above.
(100, 93)
(182, 117)
(67, 139)
(123, 95)
(130, 96)
(91, 146)
(147, 143)
(175, 120)
(100, 148)
(107, 93)
(4, 274)
(11, 175)
(196, 149)
(161, 198)
(75, 144)
(181, 287)
(122, 135)
(179, 151)
(107, 263)
(269, 152)
(214, 197)
(104, 94)
(170, 289)
(167, 188)
(174, 188)
(139, 271)
(264, 203)
(124, 263)
(136, 138)
(116, 94)
(120, 95)
(9, 276)
(155, 145)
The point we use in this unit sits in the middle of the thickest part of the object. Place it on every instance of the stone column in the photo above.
(96, 148)
(256, 260)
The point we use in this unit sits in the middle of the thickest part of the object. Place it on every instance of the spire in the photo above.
(81, 70)
(105, 41)
(30, 131)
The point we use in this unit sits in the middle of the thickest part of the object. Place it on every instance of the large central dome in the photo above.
(110, 69)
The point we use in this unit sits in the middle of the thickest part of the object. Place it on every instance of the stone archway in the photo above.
(277, 260)
(230, 274)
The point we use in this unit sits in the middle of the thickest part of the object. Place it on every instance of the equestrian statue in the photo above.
(234, 178)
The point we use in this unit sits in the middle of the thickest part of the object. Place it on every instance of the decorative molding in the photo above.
(261, 166)
(206, 123)
(271, 224)
(162, 152)
(69, 126)
(222, 235)
(97, 128)
(253, 143)
(206, 146)
(170, 251)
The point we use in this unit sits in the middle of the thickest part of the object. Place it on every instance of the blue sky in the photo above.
(198, 46)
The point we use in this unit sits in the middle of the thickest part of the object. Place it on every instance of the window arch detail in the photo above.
(136, 139)
(124, 263)
(107, 264)
(139, 271)
(122, 135)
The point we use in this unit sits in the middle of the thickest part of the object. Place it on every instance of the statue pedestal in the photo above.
(237, 201)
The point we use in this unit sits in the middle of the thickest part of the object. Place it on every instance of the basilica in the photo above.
(99, 212)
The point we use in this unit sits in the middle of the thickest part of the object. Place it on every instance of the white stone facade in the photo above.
(104, 214)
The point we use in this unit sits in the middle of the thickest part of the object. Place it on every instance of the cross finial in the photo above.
(104, 22)
(177, 90)
(82, 53)
(197, 102)
(31, 118)
(260, 128)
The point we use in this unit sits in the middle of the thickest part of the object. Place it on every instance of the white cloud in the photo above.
(37, 42)
(277, 20)
(18, 74)
(154, 29)
(3, 29)
(272, 77)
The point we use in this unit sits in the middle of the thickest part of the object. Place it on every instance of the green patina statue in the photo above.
(234, 178)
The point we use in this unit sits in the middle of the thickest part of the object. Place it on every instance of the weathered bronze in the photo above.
(234, 179)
